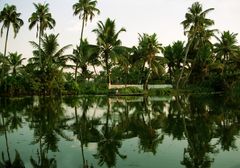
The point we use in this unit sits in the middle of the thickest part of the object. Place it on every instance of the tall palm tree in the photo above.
(86, 10)
(15, 61)
(196, 26)
(9, 16)
(110, 45)
(226, 47)
(42, 19)
(53, 60)
(148, 47)
(195, 20)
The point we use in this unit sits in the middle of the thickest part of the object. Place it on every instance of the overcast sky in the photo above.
(162, 17)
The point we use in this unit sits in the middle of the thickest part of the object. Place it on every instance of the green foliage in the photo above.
(160, 92)
(93, 88)
(127, 90)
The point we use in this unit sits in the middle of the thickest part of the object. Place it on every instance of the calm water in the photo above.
(151, 132)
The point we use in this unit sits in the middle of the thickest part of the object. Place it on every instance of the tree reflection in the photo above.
(11, 119)
(209, 124)
(227, 122)
(110, 142)
(84, 127)
(49, 122)
(198, 131)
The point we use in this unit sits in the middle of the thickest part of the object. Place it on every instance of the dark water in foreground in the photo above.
(169, 132)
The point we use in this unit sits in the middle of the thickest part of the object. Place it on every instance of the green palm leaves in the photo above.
(147, 51)
(10, 16)
(86, 10)
(226, 47)
(41, 18)
(108, 42)
(15, 61)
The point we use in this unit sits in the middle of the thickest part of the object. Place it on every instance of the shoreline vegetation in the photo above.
(196, 65)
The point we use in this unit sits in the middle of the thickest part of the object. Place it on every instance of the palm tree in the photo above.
(43, 19)
(110, 45)
(86, 10)
(174, 54)
(195, 20)
(53, 61)
(196, 27)
(148, 47)
(9, 16)
(15, 61)
(226, 47)
(84, 55)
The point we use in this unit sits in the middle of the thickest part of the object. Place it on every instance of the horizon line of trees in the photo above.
(196, 61)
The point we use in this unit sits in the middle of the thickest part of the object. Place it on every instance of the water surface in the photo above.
(189, 131)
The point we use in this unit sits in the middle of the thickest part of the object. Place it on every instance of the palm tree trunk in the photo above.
(94, 68)
(76, 69)
(5, 48)
(6, 139)
(148, 76)
(184, 62)
(39, 48)
(82, 29)
(108, 72)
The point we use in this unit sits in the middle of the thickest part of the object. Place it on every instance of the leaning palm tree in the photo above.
(15, 62)
(42, 19)
(109, 44)
(9, 16)
(86, 10)
(196, 26)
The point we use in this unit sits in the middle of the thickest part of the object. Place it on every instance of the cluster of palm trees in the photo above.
(196, 61)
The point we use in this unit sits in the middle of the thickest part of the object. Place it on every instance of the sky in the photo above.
(162, 17)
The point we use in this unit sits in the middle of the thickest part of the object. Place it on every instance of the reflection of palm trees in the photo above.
(108, 146)
(48, 121)
(13, 121)
(84, 127)
(43, 161)
(197, 129)
(227, 129)
(17, 163)
(145, 127)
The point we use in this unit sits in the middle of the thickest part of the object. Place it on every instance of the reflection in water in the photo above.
(10, 120)
(110, 142)
(208, 124)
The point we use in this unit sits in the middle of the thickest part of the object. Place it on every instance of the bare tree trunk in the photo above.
(82, 29)
(75, 74)
(5, 48)
(184, 62)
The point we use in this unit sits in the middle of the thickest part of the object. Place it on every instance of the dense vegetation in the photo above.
(195, 63)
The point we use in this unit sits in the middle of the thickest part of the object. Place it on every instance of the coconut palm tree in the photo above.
(226, 47)
(109, 44)
(196, 27)
(84, 55)
(174, 54)
(86, 10)
(15, 61)
(53, 61)
(9, 16)
(148, 47)
(43, 20)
